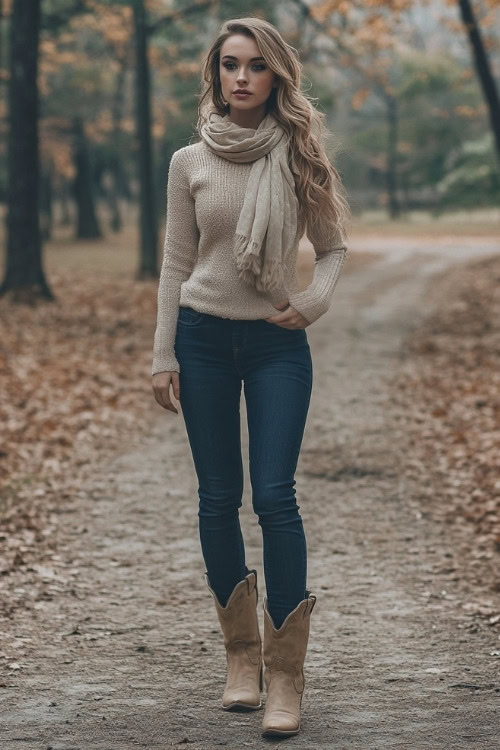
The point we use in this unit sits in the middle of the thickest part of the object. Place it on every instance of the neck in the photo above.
(247, 119)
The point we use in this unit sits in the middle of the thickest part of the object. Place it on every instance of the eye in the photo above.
(258, 66)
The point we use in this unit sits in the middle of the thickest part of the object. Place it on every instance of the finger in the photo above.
(168, 402)
(176, 386)
(281, 305)
(284, 318)
(292, 321)
(162, 396)
(170, 407)
(159, 397)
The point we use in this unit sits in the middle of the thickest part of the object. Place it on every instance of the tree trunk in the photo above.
(483, 68)
(87, 224)
(110, 185)
(392, 156)
(114, 163)
(148, 228)
(24, 275)
(65, 201)
(46, 195)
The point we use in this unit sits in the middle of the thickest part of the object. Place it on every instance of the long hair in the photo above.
(319, 189)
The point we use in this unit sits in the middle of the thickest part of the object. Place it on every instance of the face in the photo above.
(243, 67)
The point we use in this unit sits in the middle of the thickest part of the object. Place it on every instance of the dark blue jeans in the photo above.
(274, 363)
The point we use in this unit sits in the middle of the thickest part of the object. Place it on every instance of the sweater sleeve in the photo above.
(180, 251)
(330, 252)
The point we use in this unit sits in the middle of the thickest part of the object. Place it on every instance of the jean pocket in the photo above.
(189, 317)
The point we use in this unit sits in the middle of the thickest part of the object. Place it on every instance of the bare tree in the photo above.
(24, 275)
(148, 228)
(483, 67)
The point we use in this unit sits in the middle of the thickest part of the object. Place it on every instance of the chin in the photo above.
(246, 106)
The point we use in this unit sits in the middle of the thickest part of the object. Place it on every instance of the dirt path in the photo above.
(124, 649)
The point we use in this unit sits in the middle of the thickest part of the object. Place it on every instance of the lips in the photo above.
(241, 91)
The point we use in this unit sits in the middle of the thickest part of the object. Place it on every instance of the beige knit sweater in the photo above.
(204, 197)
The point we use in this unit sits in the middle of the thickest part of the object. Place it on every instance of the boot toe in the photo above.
(241, 699)
(281, 722)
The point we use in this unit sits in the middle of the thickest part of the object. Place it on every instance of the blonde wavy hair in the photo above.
(319, 188)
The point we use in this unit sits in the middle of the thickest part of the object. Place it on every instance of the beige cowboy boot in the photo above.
(240, 627)
(284, 655)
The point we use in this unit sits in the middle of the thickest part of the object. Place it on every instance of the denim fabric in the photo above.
(216, 355)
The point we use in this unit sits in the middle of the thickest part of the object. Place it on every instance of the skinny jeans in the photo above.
(216, 355)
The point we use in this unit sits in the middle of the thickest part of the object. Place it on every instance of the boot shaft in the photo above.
(285, 648)
(240, 628)
(239, 619)
(284, 655)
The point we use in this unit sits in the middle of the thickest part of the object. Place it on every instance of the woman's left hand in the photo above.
(289, 318)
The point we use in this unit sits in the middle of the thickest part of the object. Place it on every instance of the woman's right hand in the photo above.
(161, 388)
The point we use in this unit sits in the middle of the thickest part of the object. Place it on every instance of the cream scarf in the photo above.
(267, 224)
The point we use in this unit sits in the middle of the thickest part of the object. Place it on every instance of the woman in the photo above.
(238, 202)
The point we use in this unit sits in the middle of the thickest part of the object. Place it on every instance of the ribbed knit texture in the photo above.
(205, 194)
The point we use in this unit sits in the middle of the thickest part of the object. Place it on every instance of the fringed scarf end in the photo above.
(249, 262)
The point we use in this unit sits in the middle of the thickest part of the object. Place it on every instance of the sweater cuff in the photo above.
(166, 366)
(315, 301)
(164, 358)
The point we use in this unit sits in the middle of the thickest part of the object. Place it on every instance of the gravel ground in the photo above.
(123, 650)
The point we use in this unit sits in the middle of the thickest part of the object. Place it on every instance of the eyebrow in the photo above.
(235, 58)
